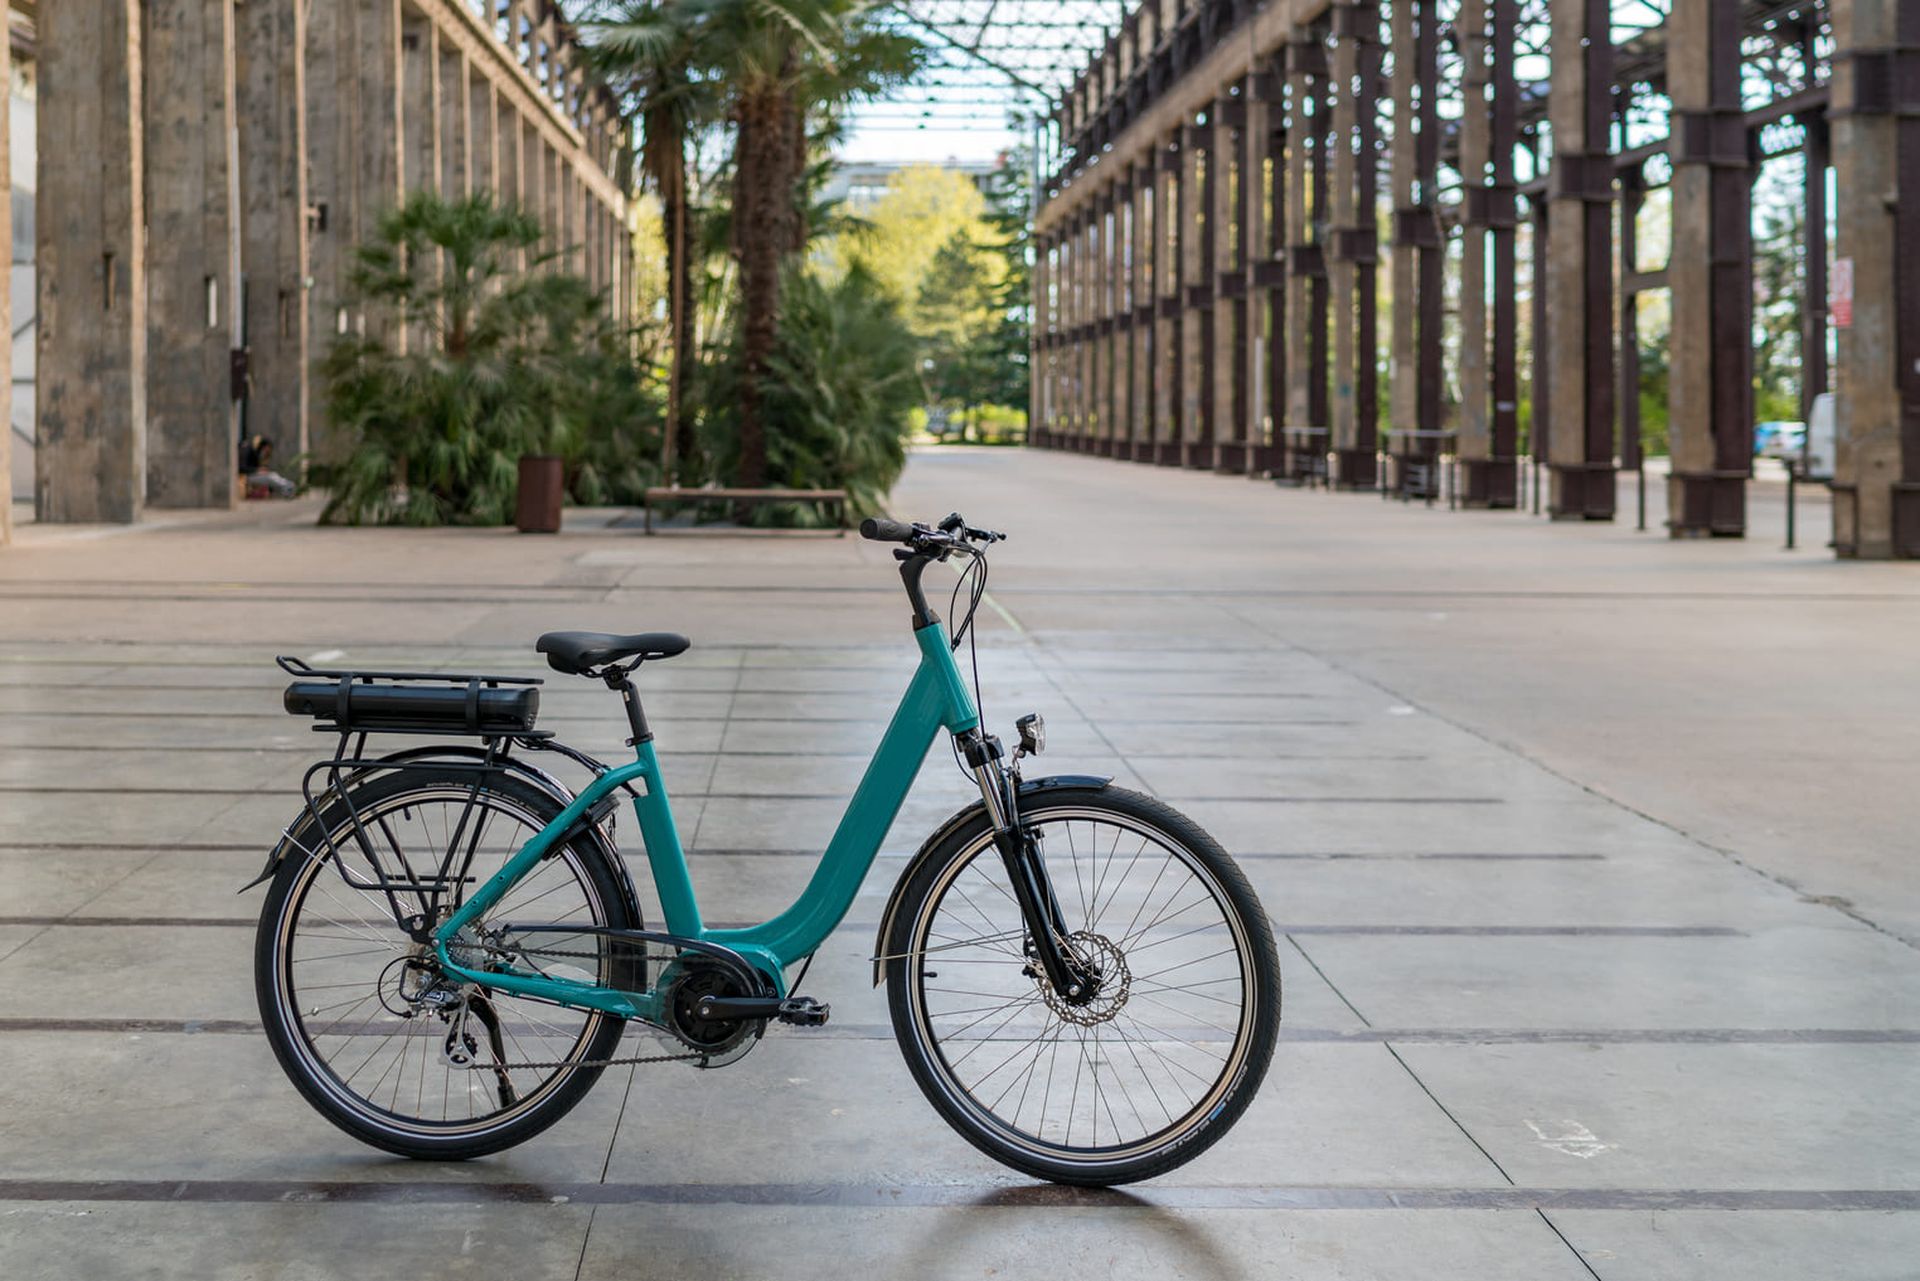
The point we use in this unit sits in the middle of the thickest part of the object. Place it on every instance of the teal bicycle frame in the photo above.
(936, 697)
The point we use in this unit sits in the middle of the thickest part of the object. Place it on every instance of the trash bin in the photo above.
(536, 508)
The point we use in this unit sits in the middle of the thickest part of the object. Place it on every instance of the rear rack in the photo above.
(299, 667)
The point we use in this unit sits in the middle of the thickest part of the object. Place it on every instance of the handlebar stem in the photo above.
(912, 565)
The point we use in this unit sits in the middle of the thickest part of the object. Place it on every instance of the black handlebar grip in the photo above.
(880, 530)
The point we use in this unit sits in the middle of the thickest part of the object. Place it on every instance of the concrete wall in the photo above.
(254, 149)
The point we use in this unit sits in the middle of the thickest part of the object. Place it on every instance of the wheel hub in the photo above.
(1105, 966)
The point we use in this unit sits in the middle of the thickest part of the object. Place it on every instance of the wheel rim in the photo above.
(338, 955)
(1137, 1069)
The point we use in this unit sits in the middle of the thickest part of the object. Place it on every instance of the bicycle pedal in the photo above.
(803, 1011)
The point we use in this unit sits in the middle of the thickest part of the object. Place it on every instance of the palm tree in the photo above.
(645, 54)
(771, 66)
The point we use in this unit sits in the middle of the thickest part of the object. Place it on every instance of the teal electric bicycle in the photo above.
(451, 948)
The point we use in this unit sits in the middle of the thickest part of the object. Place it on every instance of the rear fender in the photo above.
(1028, 788)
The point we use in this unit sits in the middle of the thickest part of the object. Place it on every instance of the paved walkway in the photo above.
(1592, 855)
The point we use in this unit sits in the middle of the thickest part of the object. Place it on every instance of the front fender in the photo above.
(1028, 787)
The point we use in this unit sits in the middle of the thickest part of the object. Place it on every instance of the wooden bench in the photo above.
(674, 495)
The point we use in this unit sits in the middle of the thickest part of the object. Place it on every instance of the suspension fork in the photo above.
(1026, 869)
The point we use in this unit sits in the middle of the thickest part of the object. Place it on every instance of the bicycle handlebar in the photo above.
(953, 533)
(880, 530)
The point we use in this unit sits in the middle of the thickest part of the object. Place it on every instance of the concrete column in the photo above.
(1227, 452)
(533, 173)
(421, 105)
(553, 209)
(1579, 282)
(483, 124)
(456, 123)
(1710, 384)
(90, 455)
(383, 182)
(1876, 155)
(1191, 229)
(272, 39)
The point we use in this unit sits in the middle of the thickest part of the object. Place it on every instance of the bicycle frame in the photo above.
(936, 697)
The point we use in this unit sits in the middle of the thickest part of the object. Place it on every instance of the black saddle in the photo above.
(577, 653)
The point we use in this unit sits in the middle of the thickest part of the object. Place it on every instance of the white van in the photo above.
(1817, 460)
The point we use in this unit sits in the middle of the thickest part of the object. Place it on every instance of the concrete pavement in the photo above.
(1588, 849)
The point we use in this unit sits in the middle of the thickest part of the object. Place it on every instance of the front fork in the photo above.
(1047, 932)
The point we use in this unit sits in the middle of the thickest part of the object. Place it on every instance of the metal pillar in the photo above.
(1418, 252)
(1540, 432)
(1475, 440)
(1126, 216)
(1271, 274)
(1580, 262)
(6, 302)
(1711, 273)
(1045, 334)
(1112, 382)
(1353, 244)
(272, 41)
(1255, 241)
(1304, 205)
(1633, 195)
(1176, 199)
(1226, 370)
(1876, 150)
(1140, 299)
(90, 256)
(1818, 154)
(1499, 486)
(1197, 233)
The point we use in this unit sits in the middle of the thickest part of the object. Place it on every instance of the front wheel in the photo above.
(1127, 1081)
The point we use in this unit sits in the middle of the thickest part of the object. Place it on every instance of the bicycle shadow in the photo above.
(964, 1232)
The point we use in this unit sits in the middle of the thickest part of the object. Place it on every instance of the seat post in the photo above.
(636, 715)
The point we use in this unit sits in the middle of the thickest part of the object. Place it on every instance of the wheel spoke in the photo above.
(1127, 1083)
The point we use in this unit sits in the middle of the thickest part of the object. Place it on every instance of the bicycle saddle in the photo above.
(577, 653)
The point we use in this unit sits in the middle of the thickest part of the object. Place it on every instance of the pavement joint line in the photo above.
(1841, 906)
(282, 717)
(1375, 930)
(981, 1195)
(1289, 1033)
(1311, 856)
(35, 789)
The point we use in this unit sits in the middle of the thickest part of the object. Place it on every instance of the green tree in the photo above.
(958, 323)
(500, 363)
(773, 66)
(845, 381)
(924, 208)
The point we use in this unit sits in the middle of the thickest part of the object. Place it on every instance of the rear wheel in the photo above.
(1125, 1083)
(357, 1012)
